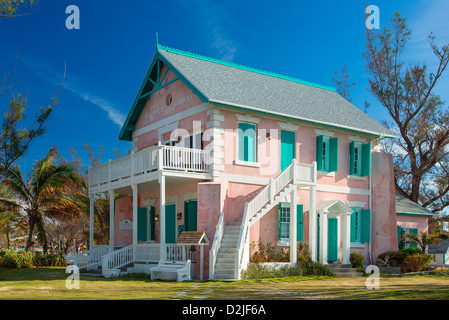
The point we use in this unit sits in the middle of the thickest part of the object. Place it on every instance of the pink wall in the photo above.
(383, 213)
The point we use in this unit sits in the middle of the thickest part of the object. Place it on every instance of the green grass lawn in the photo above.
(50, 283)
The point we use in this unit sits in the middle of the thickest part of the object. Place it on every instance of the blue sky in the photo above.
(106, 59)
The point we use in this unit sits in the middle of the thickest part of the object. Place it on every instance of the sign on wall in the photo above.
(126, 224)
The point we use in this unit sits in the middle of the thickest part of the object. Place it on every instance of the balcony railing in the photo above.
(126, 169)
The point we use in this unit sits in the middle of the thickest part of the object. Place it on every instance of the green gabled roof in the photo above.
(233, 85)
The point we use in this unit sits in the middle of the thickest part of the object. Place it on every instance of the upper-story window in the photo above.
(327, 154)
(247, 148)
(359, 159)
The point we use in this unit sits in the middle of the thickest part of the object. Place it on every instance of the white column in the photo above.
(111, 218)
(312, 224)
(323, 237)
(91, 220)
(339, 236)
(293, 225)
(162, 217)
(135, 204)
(346, 237)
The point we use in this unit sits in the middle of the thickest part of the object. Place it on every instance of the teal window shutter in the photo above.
(319, 153)
(142, 224)
(353, 225)
(333, 154)
(192, 212)
(352, 158)
(300, 222)
(366, 225)
(366, 159)
(247, 142)
(414, 232)
(399, 228)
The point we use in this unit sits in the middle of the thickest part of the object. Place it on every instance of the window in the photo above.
(284, 222)
(327, 154)
(401, 242)
(357, 159)
(247, 142)
(360, 225)
(360, 159)
(355, 226)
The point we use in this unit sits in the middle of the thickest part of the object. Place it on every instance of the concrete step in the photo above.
(344, 270)
(224, 276)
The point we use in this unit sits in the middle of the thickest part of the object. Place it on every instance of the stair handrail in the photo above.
(118, 258)
(89, 258)
(270, 190)
(215, 245)
(242, 243)
(267, 194)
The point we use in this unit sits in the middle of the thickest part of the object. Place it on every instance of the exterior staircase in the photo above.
(344, 270)
(230, 251)
(225, 263)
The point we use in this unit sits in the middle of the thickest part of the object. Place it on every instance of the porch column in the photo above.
(111, 218)
(293, 225)
(323, 236)
(346, 237)
(91, 220)
(312, 224)
(163, 251)
(135, 204)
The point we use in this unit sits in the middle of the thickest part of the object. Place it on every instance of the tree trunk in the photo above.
(31, 224)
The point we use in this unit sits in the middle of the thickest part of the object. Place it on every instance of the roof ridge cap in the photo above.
(243, 67)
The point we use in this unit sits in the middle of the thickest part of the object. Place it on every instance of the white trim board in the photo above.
(176, 117)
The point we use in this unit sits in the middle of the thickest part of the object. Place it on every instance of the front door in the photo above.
(287, 148)
(170, 223)
(190, 215)
(332, 240)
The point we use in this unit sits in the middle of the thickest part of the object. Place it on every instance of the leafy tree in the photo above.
(342, 83)
(426, 239)
(43, 194)
(15, 8)
(407, 92)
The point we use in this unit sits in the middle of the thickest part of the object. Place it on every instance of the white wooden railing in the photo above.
(266, 195)
(90, 258)
(146, 252)
(215, 246)
(148, 160)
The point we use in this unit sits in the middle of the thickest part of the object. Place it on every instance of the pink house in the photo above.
(237, 154)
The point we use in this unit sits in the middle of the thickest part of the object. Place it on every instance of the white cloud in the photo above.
(74, 85)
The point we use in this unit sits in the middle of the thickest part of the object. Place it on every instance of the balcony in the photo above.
(147, 164)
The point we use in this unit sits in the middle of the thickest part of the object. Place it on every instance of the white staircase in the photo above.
(225, 261)
(230, 249)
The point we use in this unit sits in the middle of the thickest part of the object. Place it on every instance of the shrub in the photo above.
(415, 262)
(411, 251)
(269, 253)
(304, 265)
(409, 260)
(357, 261)
(11, 259)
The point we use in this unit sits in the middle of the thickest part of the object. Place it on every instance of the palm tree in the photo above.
(43, 194)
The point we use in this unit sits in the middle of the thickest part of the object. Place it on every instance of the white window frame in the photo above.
(285, 227)
(357, 159)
